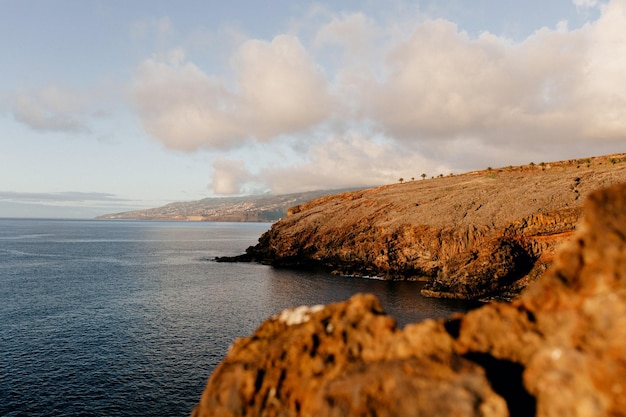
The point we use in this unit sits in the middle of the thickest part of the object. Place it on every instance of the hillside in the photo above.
(266, 208)
(480, 234)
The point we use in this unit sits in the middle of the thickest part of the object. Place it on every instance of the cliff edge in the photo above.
(476, 235)
(558, 350)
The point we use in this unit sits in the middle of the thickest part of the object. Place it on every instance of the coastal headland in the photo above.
(481, 234)
(557, 350)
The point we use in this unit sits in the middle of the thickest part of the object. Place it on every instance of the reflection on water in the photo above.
(400, 299)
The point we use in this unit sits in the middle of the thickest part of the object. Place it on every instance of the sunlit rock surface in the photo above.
(476, 235)
(558, 350)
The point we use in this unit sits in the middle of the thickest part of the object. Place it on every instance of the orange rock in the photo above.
(558, 350)
(447, 231)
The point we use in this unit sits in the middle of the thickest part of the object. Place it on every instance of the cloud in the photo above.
(585, 3)
(160, 27)
(341, 161)
(555, 86)
(602, 94)
(183, 107)
(59, 197)
(354, 32)
(229, 176)
(338, 161)
(365, 101)
(279, 90)
(282, 89)
(53, 108)
(56, 108)
(442, 84)
(64, 204)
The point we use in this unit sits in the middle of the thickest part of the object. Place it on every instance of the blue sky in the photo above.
(108, 106)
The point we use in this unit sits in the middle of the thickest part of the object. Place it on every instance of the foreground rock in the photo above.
(558, 350)
(476, 235)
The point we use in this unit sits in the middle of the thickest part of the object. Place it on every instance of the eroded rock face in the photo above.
(558, 350)
(497, 265)
(447, 230)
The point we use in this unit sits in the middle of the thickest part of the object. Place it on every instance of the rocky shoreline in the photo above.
(557, 350)
(483, 234)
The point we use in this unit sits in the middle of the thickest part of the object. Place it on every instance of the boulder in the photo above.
(346, 359)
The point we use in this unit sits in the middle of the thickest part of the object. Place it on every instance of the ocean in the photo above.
(129, 318)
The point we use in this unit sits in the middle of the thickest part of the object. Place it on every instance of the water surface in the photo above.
(124, 318)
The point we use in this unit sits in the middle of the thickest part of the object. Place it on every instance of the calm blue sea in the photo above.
(124, 318)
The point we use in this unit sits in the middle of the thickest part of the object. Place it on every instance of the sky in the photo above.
(110, 105)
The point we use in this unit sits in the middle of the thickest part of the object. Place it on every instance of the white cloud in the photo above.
(603, 92)
(441, 83)
(183, 107)
(282, 90)
(432, 97)
(279, 90)
(556, 86)
(355, 33)
(347, 160)
(229, 176)
(585, 3)
(57, 108)
(51, 109)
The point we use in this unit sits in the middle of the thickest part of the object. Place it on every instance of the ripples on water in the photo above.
(129, 318)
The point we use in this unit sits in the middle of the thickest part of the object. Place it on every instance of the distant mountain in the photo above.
(256, 208)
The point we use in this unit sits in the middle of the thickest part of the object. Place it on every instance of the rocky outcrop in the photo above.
(475, 235)
(558, 350)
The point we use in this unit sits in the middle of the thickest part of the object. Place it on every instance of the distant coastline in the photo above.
(259, 208)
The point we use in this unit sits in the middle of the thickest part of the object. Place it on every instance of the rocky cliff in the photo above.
(476, 235)
(558, 350)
